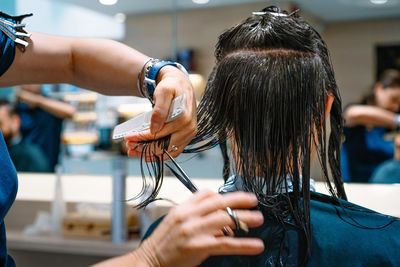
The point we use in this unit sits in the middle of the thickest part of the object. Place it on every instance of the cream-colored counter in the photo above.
(97, 189)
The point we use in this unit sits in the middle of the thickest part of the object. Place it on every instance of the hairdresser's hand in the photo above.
(171, 83)
(191, 232)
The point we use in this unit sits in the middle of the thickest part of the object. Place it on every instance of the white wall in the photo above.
(60, 18)
(197, 29)
(352, 47)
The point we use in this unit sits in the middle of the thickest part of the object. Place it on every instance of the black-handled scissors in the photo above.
(182, 176)
(227, 231)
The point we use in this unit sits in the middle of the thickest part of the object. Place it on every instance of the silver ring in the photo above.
(234, 217)
(174, 148)
(240, 226)
(227, 231)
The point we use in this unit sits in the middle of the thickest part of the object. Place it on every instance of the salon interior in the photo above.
(82, 210)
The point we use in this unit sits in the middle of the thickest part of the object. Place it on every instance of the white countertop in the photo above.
(98, 189)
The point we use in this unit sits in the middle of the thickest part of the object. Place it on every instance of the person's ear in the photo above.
(328, 103)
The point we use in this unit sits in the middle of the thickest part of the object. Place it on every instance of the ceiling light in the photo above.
(200, 2)
(108, 2)
(120, 17)
(378, 2)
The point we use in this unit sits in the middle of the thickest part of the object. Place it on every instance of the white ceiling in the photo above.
(327, 10)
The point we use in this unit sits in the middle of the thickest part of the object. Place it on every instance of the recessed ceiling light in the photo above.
(108, 2)
(200, 2)
(120, 17)
(378, 2)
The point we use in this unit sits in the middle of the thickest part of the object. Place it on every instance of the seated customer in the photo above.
(270, 97)
(26, 156)
(366, 124)
(42, 120)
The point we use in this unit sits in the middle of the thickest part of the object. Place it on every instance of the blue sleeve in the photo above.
(7, 52)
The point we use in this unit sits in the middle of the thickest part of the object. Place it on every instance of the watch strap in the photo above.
(151, 75)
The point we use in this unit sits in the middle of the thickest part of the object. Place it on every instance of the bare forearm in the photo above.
(369, 116)
(104, 66)
(108, 67)
(133, 259)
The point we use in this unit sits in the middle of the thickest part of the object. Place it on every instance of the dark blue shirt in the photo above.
(7, 52)
(28, 157)
(8, 175)
(343, 234)
(43, 129)
(387, 173)
(8, 191)
(363, 151)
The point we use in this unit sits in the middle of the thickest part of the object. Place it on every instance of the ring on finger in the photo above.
(240, 226)
(227, 231)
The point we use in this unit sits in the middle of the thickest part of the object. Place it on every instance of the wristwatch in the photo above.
(150, 76)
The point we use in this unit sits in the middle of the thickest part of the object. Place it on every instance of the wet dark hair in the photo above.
(267, 93)
(389, 78)
(266, 96)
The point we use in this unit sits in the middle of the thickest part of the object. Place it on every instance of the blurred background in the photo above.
(63, 211)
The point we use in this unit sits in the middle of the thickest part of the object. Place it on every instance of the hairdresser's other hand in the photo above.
(172, 82)
(191, 232)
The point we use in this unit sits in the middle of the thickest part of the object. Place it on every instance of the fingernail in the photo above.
(253, 197)
(259, 216)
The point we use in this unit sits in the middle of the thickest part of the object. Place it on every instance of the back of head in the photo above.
(266, 96)
(268, 92)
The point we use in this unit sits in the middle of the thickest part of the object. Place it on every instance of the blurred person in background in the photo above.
(366, 125)
(26, 156)
(42, 119)
(389, 171)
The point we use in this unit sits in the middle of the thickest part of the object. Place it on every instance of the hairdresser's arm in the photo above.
(107, 67)
(191, 233)
(369, 116)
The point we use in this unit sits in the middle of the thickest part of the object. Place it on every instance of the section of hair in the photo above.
(266, 95)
